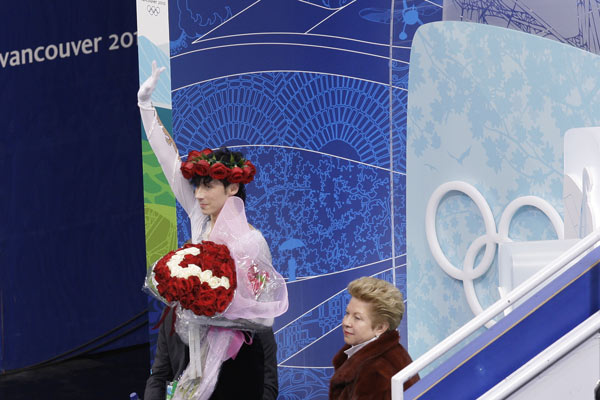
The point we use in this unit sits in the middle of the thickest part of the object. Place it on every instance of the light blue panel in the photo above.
(488, 106)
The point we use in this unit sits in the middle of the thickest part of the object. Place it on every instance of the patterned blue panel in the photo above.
(399, 199)
(356, 22)
(338, 209)
(306, 53)
(308, 334)
(351, 41)
(304, 383)
(398, 150)
(303, 89)
(196, 18)
(333, 4)
(313, 340)
(309, 111)
(409, 15)
(274, 16)
(289, 35)
(573, 22)
(399, 100)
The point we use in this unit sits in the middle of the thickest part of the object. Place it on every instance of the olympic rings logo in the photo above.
(152, 10)
(490, 240)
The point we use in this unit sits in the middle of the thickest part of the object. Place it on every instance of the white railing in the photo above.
(479, 321)
(546, 358)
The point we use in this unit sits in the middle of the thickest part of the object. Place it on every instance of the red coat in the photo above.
(367, 375)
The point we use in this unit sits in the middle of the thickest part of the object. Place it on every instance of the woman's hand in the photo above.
(145, 93)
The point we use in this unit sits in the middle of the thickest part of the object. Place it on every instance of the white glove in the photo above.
(145, 93)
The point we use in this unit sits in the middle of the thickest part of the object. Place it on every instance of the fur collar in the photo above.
(346, 370)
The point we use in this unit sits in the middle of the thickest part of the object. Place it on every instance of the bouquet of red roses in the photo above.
(200, 277)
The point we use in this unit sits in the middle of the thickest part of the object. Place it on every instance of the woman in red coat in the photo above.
(372, 355)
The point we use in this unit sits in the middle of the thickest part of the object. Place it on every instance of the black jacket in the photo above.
(252, 375)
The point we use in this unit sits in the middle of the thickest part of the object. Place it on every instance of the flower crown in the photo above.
(204, 163)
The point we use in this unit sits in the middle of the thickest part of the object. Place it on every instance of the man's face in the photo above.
(357, 323)
(212, 196)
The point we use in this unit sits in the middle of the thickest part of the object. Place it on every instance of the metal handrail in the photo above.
(542, 361)
(480, 320)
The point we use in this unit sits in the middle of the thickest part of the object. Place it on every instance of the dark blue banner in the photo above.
(72, 223)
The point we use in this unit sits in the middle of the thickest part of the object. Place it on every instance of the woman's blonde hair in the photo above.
(387, 303)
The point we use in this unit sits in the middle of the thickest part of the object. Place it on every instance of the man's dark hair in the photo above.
(223, 155)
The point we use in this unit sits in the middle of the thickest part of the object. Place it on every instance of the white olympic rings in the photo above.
(490, 239)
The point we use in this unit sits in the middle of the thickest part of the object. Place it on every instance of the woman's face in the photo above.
(212, 196)
(357, 323)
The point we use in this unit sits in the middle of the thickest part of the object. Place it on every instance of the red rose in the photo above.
(187, 169)
(187, 300)
(208, 260)
(185, 287)
(224, 254)
(203, 289)
(202, 168)
(223, 299)
(194, 154)
(198, 310)
(206, 297)
(175, 287)
(171, 293)
(219, 171)
(236, 175)
(249, 172)
(232, 276)
(206, 152)
(187, 259)
(195, 284)
(208, 311)
(162, 289)
(220, 292)
(209, 247)
(217, 270)
(161, 272)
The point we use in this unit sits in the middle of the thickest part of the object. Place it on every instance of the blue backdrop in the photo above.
(71, 226)
(315, 94)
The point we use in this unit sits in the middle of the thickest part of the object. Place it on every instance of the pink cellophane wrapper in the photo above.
(250, 253)
(261, 295)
